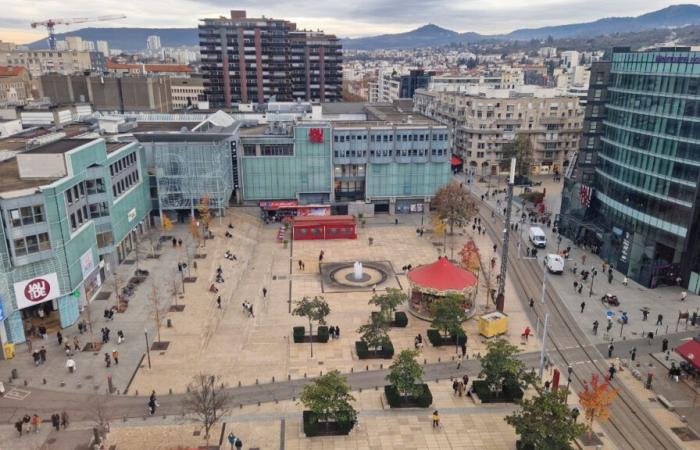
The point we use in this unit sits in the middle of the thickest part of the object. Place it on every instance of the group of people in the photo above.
(248, 307)
(230, 256)
(235, 442)
(460, 387)
(418, 342)
(334, 332)
(114, 356)
(32, 423)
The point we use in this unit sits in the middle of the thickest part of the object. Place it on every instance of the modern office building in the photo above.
(483, 120)
(71, 210)
(254, 60)
(639, 211)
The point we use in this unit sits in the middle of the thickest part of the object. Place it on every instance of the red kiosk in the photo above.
(324, 227)
(429, 282)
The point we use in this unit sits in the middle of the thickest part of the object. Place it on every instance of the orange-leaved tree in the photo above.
(596, 399)
(470, 257)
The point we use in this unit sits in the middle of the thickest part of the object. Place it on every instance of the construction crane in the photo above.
(51, 23)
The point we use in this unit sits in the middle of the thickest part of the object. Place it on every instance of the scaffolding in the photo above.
(187, 172)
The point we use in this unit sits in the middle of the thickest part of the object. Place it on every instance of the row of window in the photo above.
(125, 183)
(78, 218)
(27, 215)
(75, 193)
(96, 186)
(672, 127)
(390, 137)
(673, 106)
(319, 231)
(651, 163)
(32, 244)
(269, 150)
(122, 164)
(654, 144)
(389, 153)
(658, 83)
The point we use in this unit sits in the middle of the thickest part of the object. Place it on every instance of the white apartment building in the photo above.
(75, 43)
(570, 59)
(39, 62)
(186, 92)
(153, 42)
(388, 88)
(508, 78)
(103, 47)
(482, 120)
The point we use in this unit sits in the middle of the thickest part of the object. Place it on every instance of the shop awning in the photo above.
(456, 161)
(690, 351)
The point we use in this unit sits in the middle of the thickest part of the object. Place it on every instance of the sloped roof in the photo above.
(442, 276)
(690, 350)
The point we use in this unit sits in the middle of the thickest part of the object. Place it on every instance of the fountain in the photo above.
(357, 270)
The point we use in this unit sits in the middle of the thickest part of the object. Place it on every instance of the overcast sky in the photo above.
(344, 18)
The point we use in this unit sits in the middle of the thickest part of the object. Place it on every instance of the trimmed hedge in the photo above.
(313, 428)
(363, 352)
(520, 445)
(510, 394)
(436, 339)
(400, 319)
(323, 334)
(298, 333)
(424, 400)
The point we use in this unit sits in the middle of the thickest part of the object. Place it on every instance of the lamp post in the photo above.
(506, 237)
(558, 243)
(568, 382)
(148, 350)
(593, 274)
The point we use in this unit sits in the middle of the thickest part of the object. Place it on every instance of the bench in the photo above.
(664, 401)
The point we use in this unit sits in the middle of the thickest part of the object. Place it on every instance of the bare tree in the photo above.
(208, 400)
(99, 411)
(156, 308)
(175, 289)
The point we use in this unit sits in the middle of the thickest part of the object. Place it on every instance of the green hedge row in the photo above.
(424, 400)
(400, 319)
(299, 334)
(312, 427)
(363, 352)
(510, 394)
(436, 339)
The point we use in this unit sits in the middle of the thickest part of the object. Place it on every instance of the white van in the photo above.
(537, 237)
(554, 263)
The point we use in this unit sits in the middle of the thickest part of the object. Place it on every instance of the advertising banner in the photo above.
(37, 290)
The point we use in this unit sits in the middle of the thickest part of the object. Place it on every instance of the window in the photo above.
(32, 244)
(27, 215)
(278, 150)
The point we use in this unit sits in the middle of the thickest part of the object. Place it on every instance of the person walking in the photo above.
(633, 353)
(684, 295)
(36, 421)
(56, 421)
(455, 387)
(526, 333)
(532, 302)
(660, 319)
(580, 288)
(231, 439)
(583, 306)
(595, 328)
(320, 257)
(611, 348)
(611, 372)
(664, 345)
(264, 291)
(575, 285)
(19, 427)
(108, 360)
(436, 419)
(625, 281)
(583, 259)
(115, 356)
(645, 314)
(76, 343)
(59, 337)
(152, 403)
(64, 419)
(239, 444)
(218, 302)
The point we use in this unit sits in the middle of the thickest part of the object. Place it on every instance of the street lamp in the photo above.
(593, 274)
(558, 243)
(148, 350)
(570, 370)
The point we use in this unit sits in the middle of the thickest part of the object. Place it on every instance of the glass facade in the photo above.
(648, 164)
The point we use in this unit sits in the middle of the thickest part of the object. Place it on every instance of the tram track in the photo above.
(630, 425)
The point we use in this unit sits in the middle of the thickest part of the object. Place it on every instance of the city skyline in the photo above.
(365, 18)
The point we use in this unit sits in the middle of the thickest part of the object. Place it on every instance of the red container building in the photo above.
(324, 227)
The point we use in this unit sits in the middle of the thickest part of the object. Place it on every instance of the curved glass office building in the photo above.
(643, 213)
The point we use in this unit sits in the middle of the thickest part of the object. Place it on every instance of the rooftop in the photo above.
(10, 180)
(143, 127)
(62, 146)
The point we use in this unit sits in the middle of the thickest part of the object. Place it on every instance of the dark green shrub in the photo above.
(434, 337)
(312, 427)
(424, 400)
(298, 333)
(400, 319)
(363, 352)
(510, 393)
(323, 334)
(387, 351)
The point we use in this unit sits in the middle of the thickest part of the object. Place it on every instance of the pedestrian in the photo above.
(660, 319)
(18, 427)
(575, 285)
(436, 419)
(495, 247)
(67, 347)
(612, 371)
(583, 306)
(610, 325)
(36, 421)
(264, 290)
(250, 309)
(108, 360)
(633, 353)
(610, 276)
(337, 333)
(611, 348)
(179, 242)
(42, 354)
(526, 333)
(80, 327)
(59, 336)
(231, 439)
(583, 259)
(461, 389)
(56, 421)
(455, 387)
(76, 343)
(115, 356)
(64, 419)
(465, 380)
(664, 345)
(595, 328)
(301, 265)
(239, 444)
(684, 295)
(120, 337)
(218, 302)
(532, 302)
(580, 288)
(625, 281)
(645, 314)
(320, 257)
(152, 403)
(174, 242)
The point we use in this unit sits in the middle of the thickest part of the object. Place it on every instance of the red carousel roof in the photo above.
(442, 275)
(691, 352)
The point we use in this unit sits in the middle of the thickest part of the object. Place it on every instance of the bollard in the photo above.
(276, 402)
(360, 390)
(43, 380)
(381, 366)
(273, 379)
(320, 373)
(63, 383)
(239, 383)
(258, 402)
(305, 375)
(123, 418)
(352, 369)
(289, 377)
(376, 388)
(425, 362)
(367, 367)
(170, 391)
(256, 381)
(26, 382)
(240, 406)
(169, 323)
(439, 359)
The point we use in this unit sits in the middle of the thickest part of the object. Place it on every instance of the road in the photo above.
(630, 425)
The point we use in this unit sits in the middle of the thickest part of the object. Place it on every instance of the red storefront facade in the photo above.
(324, 227)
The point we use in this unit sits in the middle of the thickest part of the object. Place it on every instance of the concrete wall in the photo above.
(41, 165)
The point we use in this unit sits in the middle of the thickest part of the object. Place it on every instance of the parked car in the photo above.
(537, 237)
(554, 263)
(610, 299)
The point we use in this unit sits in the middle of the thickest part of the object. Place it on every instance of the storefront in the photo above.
(326, 227)
(37, 300)
(413, 205)
(277, 211)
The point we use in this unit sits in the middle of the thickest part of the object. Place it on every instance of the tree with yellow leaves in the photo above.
(470, 257)
(595, 399)
(167, 224)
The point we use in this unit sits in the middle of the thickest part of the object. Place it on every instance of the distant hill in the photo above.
(132, 39)
(433, 35)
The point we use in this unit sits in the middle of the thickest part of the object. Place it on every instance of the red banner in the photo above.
(316, 135)
(278, 204)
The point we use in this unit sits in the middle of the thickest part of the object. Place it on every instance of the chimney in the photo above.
(237, 14)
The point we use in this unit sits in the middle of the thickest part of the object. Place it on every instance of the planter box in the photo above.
(299, 335)
(363, 352)
(437, 340)
(400, 320)
(510, 394)
(424, 400)
(313, 428)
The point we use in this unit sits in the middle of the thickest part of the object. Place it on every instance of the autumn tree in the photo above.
(204, 211)
(208, 399)
(388, 302)
(545, 422)
(454, 205)
(521, 150)
(595, 399)
(315, 310)
(470, 258)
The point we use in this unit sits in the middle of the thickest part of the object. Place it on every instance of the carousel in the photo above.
(430, 282)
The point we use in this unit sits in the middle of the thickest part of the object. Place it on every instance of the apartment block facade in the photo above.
(253, 60)
(483, 120)
(66, 62)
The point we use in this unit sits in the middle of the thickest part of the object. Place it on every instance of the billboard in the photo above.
(37, 290)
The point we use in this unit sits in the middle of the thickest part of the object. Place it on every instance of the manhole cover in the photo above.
(160, 346)
(685, 434)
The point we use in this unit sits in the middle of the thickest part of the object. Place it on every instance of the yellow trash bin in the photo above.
(493, 324)
(9, 350)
